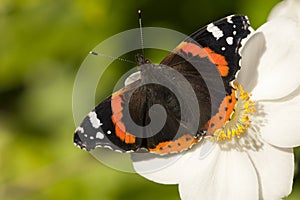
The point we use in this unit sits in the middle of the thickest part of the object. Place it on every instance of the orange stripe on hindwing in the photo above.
(116, 106)
(215, 58)
(185, 142)
(223, 115)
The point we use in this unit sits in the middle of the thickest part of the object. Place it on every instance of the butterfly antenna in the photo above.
(111, 57)
(141, 31)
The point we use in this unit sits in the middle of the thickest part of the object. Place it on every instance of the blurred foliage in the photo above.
(42, 46)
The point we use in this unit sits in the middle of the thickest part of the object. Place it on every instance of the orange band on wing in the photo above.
(223, 70)
(116, 106)
(215, 58)
(183, 143)
(225, 110)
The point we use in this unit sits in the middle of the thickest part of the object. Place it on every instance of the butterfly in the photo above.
(167, 108)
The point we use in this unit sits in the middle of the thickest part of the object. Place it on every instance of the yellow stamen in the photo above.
(240, 120)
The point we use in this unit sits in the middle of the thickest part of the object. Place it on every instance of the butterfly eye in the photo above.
(147, 61)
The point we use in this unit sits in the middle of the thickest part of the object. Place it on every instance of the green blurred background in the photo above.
(42, 44)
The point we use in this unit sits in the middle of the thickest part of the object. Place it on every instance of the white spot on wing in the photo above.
(217, 33)
(229, 40)
(100, 135)
(79, 129)
(77, 145)
(229, 20)
(94, 120)
(91, 137)
(234, 32)
(98, 145)
(223, 48)
(108, 132)
(108, 147)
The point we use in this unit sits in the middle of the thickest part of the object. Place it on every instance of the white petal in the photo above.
(278, 67)
(279, 121)
(251, 53)
(275, 168)
(160, 169)
(170, 169)
(288, 8)
(228, 175)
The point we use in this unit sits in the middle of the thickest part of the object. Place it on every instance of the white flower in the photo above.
(260, 164)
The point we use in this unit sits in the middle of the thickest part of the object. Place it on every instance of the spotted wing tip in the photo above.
(78, 142)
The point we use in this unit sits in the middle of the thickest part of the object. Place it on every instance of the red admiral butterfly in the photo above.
(212, 48)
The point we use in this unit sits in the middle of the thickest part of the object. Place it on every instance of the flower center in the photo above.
(239, 120)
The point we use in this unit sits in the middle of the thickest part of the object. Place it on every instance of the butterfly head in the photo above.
(141, 60)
